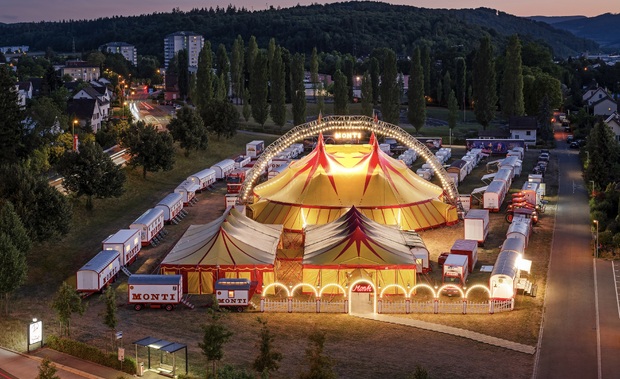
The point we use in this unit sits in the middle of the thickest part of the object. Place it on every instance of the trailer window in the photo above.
(231, 293)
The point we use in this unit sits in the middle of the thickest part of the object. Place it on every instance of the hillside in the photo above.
(604, 29)
(551, 20)
(354, 27)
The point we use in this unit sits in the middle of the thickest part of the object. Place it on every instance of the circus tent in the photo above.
(322, 186)
(353, 241)
(232, 246)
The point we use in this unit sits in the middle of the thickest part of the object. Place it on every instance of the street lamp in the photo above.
(596, 248)
(124, 105)
(73, 134)
(592, 182)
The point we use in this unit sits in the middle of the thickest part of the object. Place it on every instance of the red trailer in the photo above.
(469, 248)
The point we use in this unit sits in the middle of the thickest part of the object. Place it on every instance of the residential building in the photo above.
(613, 121)
(604, 107)
(14, 49)
(190, 41)
(128, 51)
(24, 93)
(80, 70)
(99, 93)
(87, 112)
(523, 127)
(593, 95)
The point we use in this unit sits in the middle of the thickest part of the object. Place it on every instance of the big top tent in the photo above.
(322, 186)
(231, 246)
(353, 241)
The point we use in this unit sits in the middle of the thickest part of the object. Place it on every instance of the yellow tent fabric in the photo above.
(322, 186)
(231, 246)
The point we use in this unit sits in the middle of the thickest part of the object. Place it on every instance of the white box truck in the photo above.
(455, 273)
(155, 291)
(476, 225)
(255, 148)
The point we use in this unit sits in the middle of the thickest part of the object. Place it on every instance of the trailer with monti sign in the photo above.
(234, 293)
(155, 291)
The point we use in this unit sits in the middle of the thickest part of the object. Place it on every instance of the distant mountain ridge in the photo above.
(604, 29)
(349, 27)
(552, 20)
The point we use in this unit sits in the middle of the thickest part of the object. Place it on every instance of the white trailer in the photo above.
(494, 196)
(242, 160)
(460, 168)
(504, 277)
(454, 177)
(150, 223)
(95, 275)
(255, 148)
(234, 293)
(223, 168)
(477, 225)
(505, 175)
(514, 162)
(171, 205)
(299, 148)
(155, 291)
(424, 173)
(203, 178)
(531, 192)
(521, 228)
(187, 190)
(126, 242)
(276, 171)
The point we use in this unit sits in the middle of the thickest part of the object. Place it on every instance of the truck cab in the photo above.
(235, 180)
(455, 272)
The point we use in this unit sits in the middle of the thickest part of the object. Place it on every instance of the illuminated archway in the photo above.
(344, 292)
(374, 292)
(422, 285)
(392, 286)
(350, 123)
(451, 286)
(288, 293)
(476, 286)
(301, 285)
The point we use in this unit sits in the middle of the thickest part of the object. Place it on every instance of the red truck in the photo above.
(235, 179)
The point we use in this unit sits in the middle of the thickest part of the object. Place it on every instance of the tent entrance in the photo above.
(362, 296)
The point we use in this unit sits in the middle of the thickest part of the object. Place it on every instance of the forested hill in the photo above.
(353, 27)
(604, 29)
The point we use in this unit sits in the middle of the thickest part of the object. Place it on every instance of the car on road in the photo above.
(570, 138)
(574, 145)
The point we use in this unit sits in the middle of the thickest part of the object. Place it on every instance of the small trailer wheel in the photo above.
(137, 307)
(168, 307)
(239, 309)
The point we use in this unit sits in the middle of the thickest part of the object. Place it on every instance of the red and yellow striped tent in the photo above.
(322, 186)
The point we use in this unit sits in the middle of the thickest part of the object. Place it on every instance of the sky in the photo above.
(12, 11)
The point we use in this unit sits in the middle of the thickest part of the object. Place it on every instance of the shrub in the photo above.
(91, 353)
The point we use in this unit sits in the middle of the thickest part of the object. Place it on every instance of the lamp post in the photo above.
(592, 182)
(73, 134)
(124, 105)
(596, 247)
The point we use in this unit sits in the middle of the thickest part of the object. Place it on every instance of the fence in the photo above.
(291, 305)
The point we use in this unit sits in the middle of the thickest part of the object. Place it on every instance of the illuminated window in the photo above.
(231, 293)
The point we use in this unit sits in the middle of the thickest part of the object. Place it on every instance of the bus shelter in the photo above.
(161, 355)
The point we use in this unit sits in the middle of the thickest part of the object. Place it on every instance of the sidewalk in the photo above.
(451, 330)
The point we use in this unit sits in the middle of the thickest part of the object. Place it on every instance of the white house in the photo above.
(613, 121)
(523, 127)
(604, 107)
(101, 94)
(87, 112)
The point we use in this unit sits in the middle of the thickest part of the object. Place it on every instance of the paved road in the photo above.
(14, 365)
(571, 345)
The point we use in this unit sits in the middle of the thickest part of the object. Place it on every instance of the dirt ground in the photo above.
(359, 348)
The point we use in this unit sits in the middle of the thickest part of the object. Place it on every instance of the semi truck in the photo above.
(155, 291)
(455, 272)
(235, 179)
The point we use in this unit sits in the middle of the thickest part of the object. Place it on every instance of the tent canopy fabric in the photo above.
(354, 240)
(230, 240)
(323, 185)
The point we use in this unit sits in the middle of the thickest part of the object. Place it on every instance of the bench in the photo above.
(165, 370)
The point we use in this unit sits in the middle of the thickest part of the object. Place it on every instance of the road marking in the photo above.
(598, 327)
(613, 267)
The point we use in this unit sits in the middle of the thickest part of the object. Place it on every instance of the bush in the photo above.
(91, 353)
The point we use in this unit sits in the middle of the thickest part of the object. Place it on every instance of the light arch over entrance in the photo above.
(344, 123)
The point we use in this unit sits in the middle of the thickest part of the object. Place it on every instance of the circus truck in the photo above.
(255, 148)
(235, 179)
(455, 273)
(234, 294)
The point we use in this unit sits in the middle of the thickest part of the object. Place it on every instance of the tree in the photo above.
(425, 60)
(320, 102)
(298, 90)
(13, 268)
(221, 89)
(453, 112)
(461, 81)
(604, 154)
(12, 225)
(314, 70)
(258, 89)
(67, 301)
(419, 373)
(43, 210)
(213, 340)
(271, 52)
(236, 67)
(417, 103)
(223, 67)
(189, 130)
(91, 173)
(539, 85)
(11, 130)
(341, 94)
(321, 366)
(47, 370)
(439, 91)
(267, 359)
(222, 118)
(246, 110)
(250, 56)
(375, 80)
(511, 94)
(183, 59)
(366, 95)
(347, 70)
(151, 150)
(390, 99)
(278, 93)
(485, 91)
(110, 318)
(545, 112)
(446, 86)
(204, 77)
